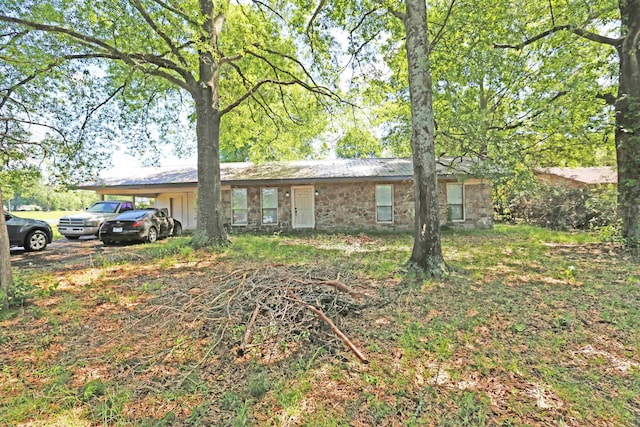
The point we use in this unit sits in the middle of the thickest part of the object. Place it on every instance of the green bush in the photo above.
(561, 208)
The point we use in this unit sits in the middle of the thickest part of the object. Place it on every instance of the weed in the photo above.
(150, 287)
(108, 407)
(370, 379)
(21, 291)
(379, 410)
(105, 298)
(242, 415)
(518, 328)
(92, 389)
(167, 420)
(198, 414)
(230, 400)
(472, 410)
(258, 385)
(36, 312)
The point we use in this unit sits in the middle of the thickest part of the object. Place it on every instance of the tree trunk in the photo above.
(6, 276)
(210, 229)
(627, 109)
(427, 250)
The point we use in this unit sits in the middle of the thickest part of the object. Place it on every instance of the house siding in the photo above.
(351, 206)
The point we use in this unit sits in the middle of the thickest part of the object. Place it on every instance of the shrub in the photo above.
(565, 208)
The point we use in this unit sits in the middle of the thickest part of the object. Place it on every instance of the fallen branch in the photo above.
(248, 333)
(333, 283)
(339, 333)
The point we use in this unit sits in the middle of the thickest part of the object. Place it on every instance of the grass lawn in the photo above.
(530, 328)
(49, 216)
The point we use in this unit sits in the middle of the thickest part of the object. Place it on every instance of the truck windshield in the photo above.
(106, 207)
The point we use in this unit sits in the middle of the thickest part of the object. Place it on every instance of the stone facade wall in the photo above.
(352, 206)
(254, 208)
(478, 206)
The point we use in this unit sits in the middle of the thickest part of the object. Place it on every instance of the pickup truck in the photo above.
(88, 222)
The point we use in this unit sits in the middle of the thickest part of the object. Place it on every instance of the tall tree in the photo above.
(427, 249)
(220, 55)
(6, 275)
(513, 107)
(585, 19)
(363, 24)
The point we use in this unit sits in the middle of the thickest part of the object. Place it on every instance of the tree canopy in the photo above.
(162, 62)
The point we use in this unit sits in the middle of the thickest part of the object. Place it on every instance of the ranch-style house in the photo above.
(328, 195)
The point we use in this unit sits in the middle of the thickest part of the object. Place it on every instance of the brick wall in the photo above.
(352, 206)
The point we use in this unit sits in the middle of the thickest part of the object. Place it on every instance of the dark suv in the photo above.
(31, 234)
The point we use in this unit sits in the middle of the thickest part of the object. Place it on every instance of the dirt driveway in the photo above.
(63, 254)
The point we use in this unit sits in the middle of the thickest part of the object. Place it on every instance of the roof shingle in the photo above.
(294, 171)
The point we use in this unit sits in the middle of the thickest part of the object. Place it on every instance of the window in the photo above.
(269, 205)
(384, 203)
(239, 206)
(455, 202)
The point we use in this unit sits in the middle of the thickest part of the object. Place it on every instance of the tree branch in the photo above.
(49, 67)
(14, 37)
(315, 14)
(272, 10)
(97, 107)
(522, 120)
(176, 11)
(400, 15)
(282, 55)
(609, 98)
(339, 333)
(31, 123)
(138, 5)
(571, 28)
(112, 52)
(440, 32)
(253, 90)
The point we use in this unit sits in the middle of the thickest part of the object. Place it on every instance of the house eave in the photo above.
(150, 190)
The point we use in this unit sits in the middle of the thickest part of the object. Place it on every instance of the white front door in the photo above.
(303, 207)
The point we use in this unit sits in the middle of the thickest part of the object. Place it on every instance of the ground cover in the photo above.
(531, 327)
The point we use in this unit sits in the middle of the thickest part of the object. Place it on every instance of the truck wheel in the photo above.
(152, 235)
(35, 241)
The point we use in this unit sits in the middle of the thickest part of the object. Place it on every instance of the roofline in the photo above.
(278, 181)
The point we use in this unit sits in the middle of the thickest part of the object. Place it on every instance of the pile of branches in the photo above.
(268, 314)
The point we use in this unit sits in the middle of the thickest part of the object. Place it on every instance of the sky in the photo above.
(124, 163)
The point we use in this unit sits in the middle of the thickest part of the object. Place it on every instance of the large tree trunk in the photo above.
(210, 216)
(627, 109)
(427, 250)
(210, 229)
(6, 277)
